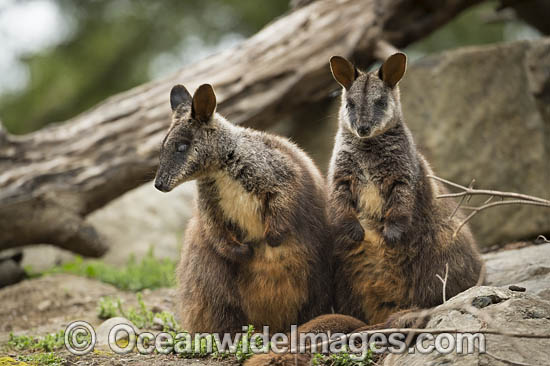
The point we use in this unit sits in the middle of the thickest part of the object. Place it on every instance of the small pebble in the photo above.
(44, 305)
(484, 301)
(516, 288)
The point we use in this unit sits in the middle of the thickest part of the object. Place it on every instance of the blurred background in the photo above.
(61, 57)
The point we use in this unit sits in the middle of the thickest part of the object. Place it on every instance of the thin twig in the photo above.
(433, 331)
(471, 185)
(485, 192)
(507, 202)
(469, 192)
(444, 281)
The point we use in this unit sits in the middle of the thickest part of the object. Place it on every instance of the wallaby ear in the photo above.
(179, 95)
(204, 103)
(393, 69)
(343, 71)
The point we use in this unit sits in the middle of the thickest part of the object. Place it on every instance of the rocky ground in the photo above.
(47, 304)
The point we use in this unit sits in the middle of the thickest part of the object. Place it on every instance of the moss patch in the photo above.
(148, 273)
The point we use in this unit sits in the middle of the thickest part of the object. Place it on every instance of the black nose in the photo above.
(363, 131)
(161, 186)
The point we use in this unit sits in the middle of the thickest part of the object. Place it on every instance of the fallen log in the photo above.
(52, 178)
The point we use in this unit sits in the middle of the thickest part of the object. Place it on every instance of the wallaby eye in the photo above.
(351, 105)
(182, 147)
(381, 103)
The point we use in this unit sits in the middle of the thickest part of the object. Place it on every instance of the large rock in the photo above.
(145, 218)
(499, 309)
(141, 219)
(483, 112)
(526, 267)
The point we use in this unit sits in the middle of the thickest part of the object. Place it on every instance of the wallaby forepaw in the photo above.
(392, 233)
(352, 229)
(243, 251)
(274, 240)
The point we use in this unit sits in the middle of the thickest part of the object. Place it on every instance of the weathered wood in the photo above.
(51, 179)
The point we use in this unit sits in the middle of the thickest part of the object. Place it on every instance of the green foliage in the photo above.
(341, 359)
(107, 308)
(112, 46)
(141, 317)
(148, 273)
(43, 359)
(469, 28)
(241, 354)
(47, 343)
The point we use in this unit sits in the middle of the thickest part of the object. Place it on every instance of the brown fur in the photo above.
(394, 236)
(257, 250)
(334, 323)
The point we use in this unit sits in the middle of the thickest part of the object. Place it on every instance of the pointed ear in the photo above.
(204, 103)
(343, 71)
(179, 95)
(393, 69)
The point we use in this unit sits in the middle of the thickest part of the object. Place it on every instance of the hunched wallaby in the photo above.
(393, 235)
(258, 246)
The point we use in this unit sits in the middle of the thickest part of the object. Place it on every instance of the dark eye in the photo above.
(351, 105)
(381, 103)
(182, 147)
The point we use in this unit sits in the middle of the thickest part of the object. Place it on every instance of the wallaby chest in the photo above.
(273, 284)
(367, 189)
(240, 206)
(374, 269)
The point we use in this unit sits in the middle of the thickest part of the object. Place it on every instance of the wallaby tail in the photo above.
(337, 323)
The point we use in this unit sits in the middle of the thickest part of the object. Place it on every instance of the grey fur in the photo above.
(224, 255)
(407, 240)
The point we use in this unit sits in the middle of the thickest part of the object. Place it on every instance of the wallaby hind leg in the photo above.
(333, 323)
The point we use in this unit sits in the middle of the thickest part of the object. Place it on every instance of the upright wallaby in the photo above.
(258, 246)
(394, 236)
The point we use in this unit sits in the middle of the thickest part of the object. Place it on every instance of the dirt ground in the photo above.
(48, 304)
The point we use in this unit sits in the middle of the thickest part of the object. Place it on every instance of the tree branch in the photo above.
(468, 192)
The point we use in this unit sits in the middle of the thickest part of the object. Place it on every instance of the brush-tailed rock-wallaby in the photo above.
(258, 248)
(394, 236)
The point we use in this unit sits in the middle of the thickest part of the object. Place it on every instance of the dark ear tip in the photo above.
(206, 87)
(336, 59)
(400, 55)
(177, 88)
(178, 95)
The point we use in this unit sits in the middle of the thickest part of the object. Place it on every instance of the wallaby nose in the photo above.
(363, 131)
(161, 186)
